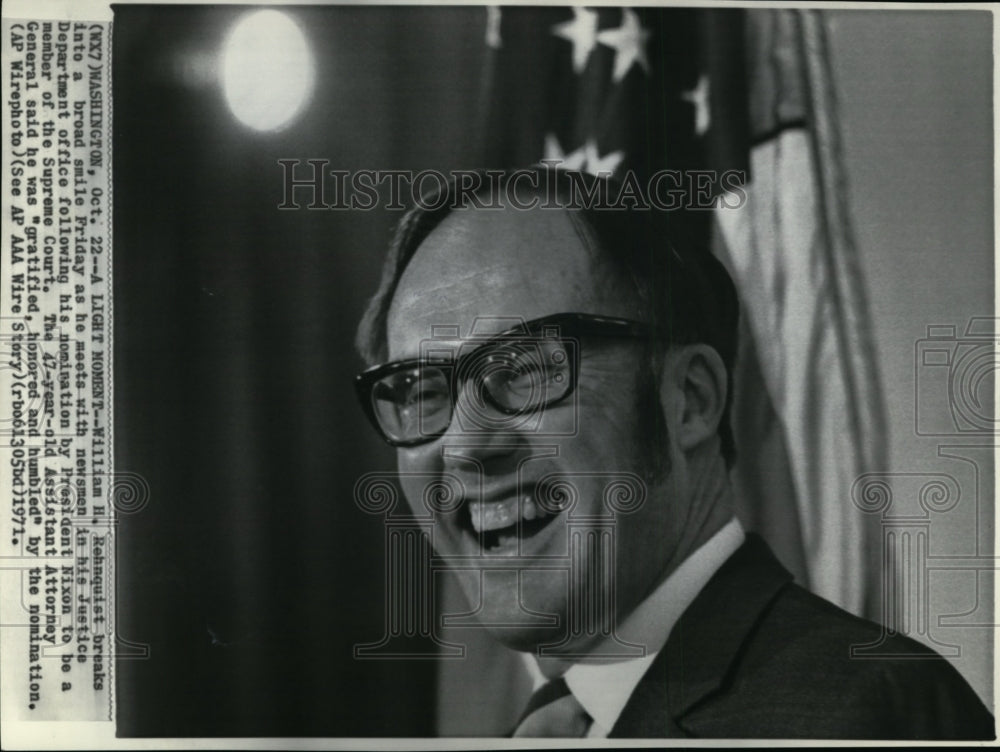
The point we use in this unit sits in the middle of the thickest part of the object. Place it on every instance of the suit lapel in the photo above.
(703, 644)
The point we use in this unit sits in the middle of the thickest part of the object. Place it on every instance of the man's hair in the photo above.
(681, 288)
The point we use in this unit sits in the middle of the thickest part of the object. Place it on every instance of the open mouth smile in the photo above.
(503, 523)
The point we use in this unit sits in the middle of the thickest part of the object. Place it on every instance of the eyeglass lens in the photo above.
(516, 378)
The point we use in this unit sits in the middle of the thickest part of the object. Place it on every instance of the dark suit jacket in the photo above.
(758, 656)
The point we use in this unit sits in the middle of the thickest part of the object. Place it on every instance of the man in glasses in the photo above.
(567, 369)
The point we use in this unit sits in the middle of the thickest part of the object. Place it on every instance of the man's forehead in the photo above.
(500, 248)
(487, 267)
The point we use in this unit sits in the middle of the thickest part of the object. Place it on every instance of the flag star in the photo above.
(553, 151)
(629, 42)
(598, 165)
(493, 39)
(698, 96)
(582, 32)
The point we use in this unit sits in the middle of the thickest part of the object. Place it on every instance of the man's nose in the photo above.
(482, 440)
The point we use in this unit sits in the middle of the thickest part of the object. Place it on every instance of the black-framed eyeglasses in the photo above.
(513, 374)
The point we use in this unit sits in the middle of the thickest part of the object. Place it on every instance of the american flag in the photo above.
(610, 90)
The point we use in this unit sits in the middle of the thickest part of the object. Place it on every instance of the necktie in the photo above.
(552, 711)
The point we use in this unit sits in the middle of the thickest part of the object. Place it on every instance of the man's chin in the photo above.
(520, 613)
(526, 639)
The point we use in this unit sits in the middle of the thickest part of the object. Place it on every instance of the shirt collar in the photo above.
(603, 688)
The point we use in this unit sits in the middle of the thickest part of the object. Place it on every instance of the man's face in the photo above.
(487, 266)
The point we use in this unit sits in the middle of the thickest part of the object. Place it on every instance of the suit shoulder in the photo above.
(847, 677)
(803, 617)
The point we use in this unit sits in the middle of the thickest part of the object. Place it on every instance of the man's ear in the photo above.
(693, 390)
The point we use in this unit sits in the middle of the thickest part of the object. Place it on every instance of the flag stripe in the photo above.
(858, 351)
(796, 266)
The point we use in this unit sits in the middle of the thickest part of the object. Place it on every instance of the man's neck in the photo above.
(649, 624)
(711, 506)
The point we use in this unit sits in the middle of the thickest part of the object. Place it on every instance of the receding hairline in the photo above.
(604, 278)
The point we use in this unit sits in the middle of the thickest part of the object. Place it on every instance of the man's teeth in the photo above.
(496, 515)
(529, 510)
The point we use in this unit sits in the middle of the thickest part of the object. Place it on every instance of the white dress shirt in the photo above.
(603, 688)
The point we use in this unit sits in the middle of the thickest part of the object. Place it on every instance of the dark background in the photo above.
(251, 573)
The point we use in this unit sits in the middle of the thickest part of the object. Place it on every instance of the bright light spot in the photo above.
(267, 70)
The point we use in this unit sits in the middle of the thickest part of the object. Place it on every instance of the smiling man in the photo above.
(545, 357)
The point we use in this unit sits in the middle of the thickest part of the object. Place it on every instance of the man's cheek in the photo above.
(608, 426)
(412, 476)
(427, 494)
(418, 460)
(411, 494)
